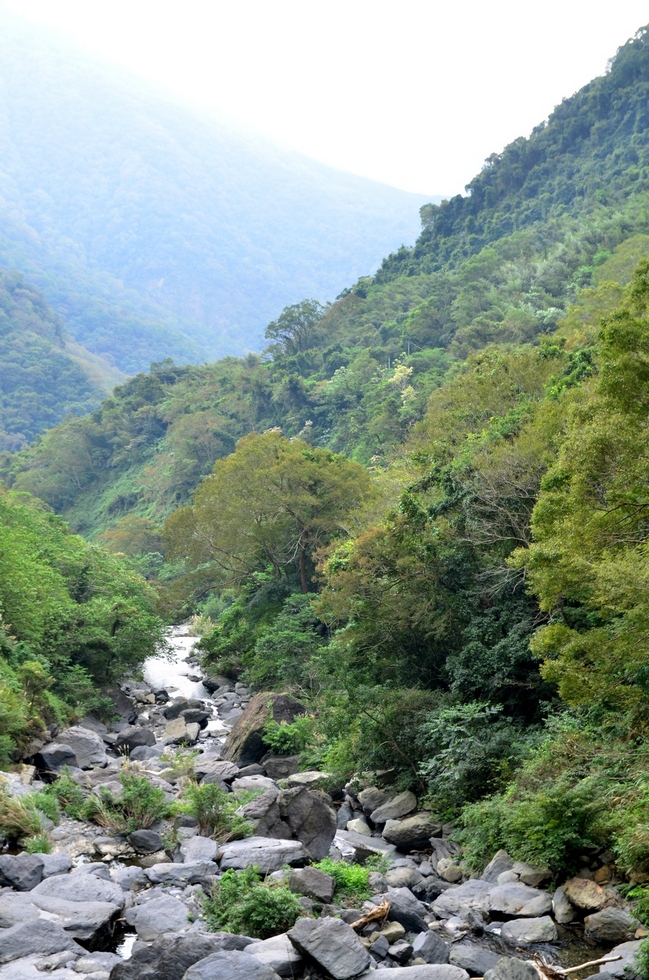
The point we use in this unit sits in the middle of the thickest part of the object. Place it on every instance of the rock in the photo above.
(519, 899)
(332, 945)
(197, 848)
(230, 966)
(371, 798)
(87, 746)
(145, 841)
(310, 819)
(157, 916)
(359, 847)
(172, 956)
(530, 875)
(562, 909)
(245, 743)
(173, 710)
(267, 853)
(281, 766)
(263, 815)
(359, 826)
(252, 784)
(95, 962)
(434, 971)
(475, 959)
(79, 888)
(402, 878)
(449, 870)
(176, 731)
(196, 716)
(207, 765)
(54, 757)
(539, 930)
(55, 864)
(622, 968)
(585, 894)
(181, 874)
(610, 926)
(392, 931)
(193, 731)
(473, 896)
(511, 968)
(216, 681)
(431, 948)
(400, 951)
(398, 806)
(279, 954)
(39, 936)
(132, 736)
(15, 908)
(21, 871)
(313, 883)
(406, 909)
(378, 882)
(500, 862)
(413, 833)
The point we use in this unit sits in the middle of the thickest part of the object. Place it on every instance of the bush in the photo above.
(241, 903)
(68, 795)
(139, 806)
(352, 880)
(40, 844)
(288, 739)
(215, 811)
(20, 817)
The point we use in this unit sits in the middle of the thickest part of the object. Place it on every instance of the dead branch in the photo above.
(378, 912)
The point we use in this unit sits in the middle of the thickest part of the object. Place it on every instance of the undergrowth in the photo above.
(241, 902)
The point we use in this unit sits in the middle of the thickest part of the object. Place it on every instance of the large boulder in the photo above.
(132, 736)
(625, 966)
(332, 945)
(87, 746)
(21, 871)
(373, 797)
(268, 854)
(172, 956)
(55, 756)
(539, 930)
(313, 883)
(413, 833)
(500, 863)
(406, 909)
(610, 926)
(82, 904)
(230, 966)
(157, 916)
(181, 874)
(586, 894)
(472, 896)
(519, 899)
(279, 954)
(511, 968)
(145, 841)
(310, 819)
(16, 908)
(433, 971)
(79, 888)
(429, 947)
(245, 744)
(563, 910)
(473, 958)
(194, 849)
(38, 936)
(281, 766)
(359, 846)
(264, 816)
(397, 807)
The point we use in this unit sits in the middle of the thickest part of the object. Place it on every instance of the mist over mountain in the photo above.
(154, 232)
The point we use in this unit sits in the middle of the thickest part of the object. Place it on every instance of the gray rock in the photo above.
(402, 878)
(207, 765)
(500, 862)
(87, 746)
(622, 968)
(371, 798)
(55, 864)
(313, 883)
(540, 930)
(157, 916)
(181, 874)
(401, 951)
(132, 736)
(344, 815)
(253, 784)
(279, 954)
(398, 806)
(406, 909)
(563, 909)
(519, 899)
(83, 920)
(197, 848)
(38, 936)
(433, 971)
(610, 926)
(413, 833)
(359, 826)
(586, 894)
(16, 907)
(332, 945)
(359, 847)
(171, 956)
(173, 710)
(230, 966)
(245, 743)
(379, 948)
(79, 888)
(449, 870)
(472, 896)
(310, 819)
(263, 815)
(511, 968)
(475, 959)
(145, 841)
(281, 766)
(21, 871)
(95, 962)
(55, 756)
(531, 875)
(267, 853)
(431, 948)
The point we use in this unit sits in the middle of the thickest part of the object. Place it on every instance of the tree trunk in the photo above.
(303, 578)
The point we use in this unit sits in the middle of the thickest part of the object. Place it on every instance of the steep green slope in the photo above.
(154, 232)
(43, 376)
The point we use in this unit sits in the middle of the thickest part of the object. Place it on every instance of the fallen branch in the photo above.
(378, 912)
(548, 971)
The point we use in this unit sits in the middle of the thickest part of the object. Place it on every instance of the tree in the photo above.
(294, 327)
(273, 502)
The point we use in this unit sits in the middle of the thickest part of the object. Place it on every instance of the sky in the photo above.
(413, 94)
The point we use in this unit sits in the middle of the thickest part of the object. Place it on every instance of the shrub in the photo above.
(352, 880)
(288, 739)
(69, 796)
(19, 816)
(240, 902)
(138, 807)
(215, 811)
(40, 844)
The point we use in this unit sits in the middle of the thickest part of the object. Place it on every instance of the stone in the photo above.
(198, 849)
(87, 746)
(252, 784)
(79, 888)
(145, 841)
(585, 894)
(475, 959)
(279, 954)
(39, 936)
(245, 743)
(393, 931)
(157, 916)
(55, 864)
(562, 909)
(310, 819)
(15, 908)
(499, 863)
(624, 966)
(216, 681)
(400, 951)
(449, 870)
(172, 956)
(511, 968)
(207, 765)
(413, 833)
(610, 926)
(193, 730)
(94, 962)
(380, 946)
(406, 909)
(132, 736)
(21, 871)
(371, 798)
(359, 826)
(472, 896)
(263, 815)
(402, 878)
(230, 966)
(519, 899)
(181, 874)
(433, 971)
(267, 853)
(281, 766)
(55, 756)
(530, 875)
(537, 930)
(313, 883)
(176, 731)
(173, 710)
(378, 882)
(332, 945)
(359, 846)
(398, 806)
(196, 716)
(431, 948)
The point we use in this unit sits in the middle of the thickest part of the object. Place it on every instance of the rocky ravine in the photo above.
(58, 911)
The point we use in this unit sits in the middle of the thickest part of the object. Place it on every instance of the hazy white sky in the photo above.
(415, 94)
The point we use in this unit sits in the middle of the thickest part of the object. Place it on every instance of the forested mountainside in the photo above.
(44, 376)
(154, 232)
(423, 510)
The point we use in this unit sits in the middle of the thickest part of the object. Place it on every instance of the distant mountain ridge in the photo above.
(154, 232)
